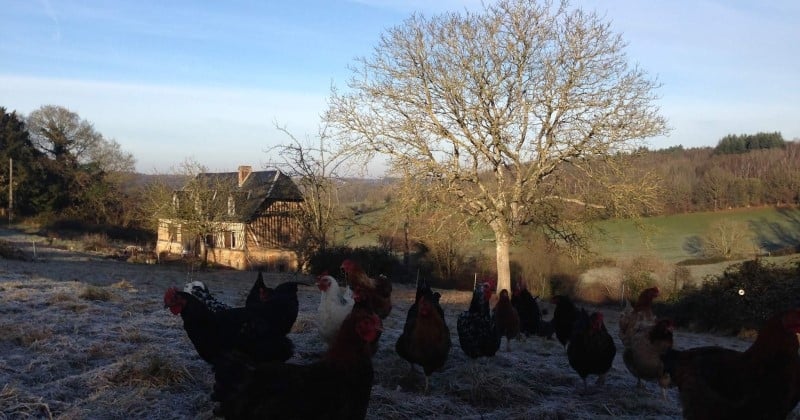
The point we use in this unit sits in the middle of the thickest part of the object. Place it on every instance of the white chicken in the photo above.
(335, 304)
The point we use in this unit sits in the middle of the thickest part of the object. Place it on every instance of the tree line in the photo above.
(56, 165)
(709, 179)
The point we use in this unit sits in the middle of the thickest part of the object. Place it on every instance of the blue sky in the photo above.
(178, 79)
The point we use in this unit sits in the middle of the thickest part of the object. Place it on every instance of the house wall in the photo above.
(248, 251)
(268, 259)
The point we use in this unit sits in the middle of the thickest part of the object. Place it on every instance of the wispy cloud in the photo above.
(51, 13)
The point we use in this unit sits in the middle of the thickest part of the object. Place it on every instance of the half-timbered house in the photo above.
(258, 227)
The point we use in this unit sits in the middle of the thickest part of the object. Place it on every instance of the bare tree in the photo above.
(729, 239)
(490, 109)
(315, 171)
(63, 135)
(87, 173)
(201, 206)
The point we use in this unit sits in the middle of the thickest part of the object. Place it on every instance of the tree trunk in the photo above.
(503, 241)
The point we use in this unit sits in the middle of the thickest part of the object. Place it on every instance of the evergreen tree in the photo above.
(28, 177)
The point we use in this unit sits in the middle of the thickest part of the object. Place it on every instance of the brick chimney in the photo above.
(244, 172)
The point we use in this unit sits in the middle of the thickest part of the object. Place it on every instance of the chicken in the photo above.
(477, 332)
(259, 292)
(376, 292)
(643, 355)
(336, 387)
(335, 304)
(201, 292)
(506, 318)
(545, 329)
(763, 382)
(591, 348)
(425, 339)
(639, 317)
(280, 307)
(527, 308)
(564, 317)
(215, 334)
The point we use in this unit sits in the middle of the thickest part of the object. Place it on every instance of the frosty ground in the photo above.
(82, 336)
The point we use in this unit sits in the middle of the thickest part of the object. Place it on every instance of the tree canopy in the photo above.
(495, 111)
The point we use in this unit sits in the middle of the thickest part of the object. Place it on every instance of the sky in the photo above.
(210, 81)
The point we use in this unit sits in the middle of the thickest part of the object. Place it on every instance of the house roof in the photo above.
(258, 188)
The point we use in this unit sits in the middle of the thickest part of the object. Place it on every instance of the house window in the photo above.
(230, 239)
(172, 232)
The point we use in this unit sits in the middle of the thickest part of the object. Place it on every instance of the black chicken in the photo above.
(477, 332)
(425, 340)
(280, 306)
(591, 348)
(564, 317)
(201, 292)
(259, 292)
(527, 309)
(214, 334)
(337, 387)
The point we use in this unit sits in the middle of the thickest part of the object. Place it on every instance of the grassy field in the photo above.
(670, 237)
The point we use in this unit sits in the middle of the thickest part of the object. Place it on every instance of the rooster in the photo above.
(335, 304)
(639, 317)
(215, 334)
(259, 292)
(425, 340)
(763, 382)
(591, 349)
(477, 332)
(280, 306)
(564, 317)
(376, 292)
(201, 292)
(642, 356)
(506, 318)
(337, 387)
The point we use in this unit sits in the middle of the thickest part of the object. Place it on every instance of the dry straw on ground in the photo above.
(85, 337)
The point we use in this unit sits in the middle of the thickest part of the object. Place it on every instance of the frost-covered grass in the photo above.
(82, 337)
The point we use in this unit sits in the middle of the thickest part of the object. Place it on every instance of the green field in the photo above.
(667, 237)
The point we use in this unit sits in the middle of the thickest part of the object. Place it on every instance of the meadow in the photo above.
(671, 237)
(83, 336)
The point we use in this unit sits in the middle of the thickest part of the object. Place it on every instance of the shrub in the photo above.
(373, 260)
(744, 296)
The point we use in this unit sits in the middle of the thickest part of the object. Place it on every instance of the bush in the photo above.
(743, 297)
(95, 242)
(373, 260)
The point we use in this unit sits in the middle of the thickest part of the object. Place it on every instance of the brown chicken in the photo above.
(506, 318)
(638, 317)
(425, 340)
(337, 387)
(763, 382)
(375, 292)
(643, 355)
